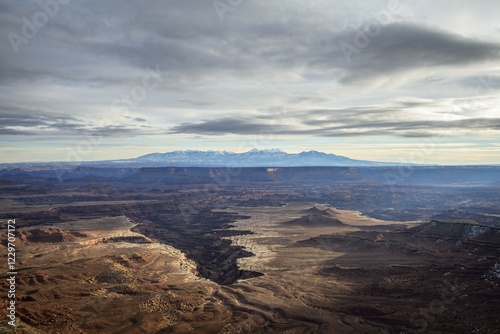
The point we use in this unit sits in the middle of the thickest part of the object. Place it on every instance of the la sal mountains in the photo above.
(252, 158)
(195, 158)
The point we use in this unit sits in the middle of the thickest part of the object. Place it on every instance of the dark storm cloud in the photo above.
(9, 132)
(189, 38)
(25, 116)
(222, 126)
(112, 131)
(273, 47)
(400, 47)
(21, 119)
(397, 126)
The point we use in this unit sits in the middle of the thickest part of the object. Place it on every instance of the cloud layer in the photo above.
(303, 71)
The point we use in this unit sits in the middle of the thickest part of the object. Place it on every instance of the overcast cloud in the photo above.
(335, 76)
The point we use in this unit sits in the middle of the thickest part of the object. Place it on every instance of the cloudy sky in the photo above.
(389, 80)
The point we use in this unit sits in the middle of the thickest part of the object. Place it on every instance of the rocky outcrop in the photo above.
(49, 235)
(315, 220)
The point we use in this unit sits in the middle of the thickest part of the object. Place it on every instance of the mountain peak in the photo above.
(312, 152)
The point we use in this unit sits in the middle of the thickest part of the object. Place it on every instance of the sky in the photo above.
(389, 80)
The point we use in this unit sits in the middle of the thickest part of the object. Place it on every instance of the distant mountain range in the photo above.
(192, 158)
(252, 158)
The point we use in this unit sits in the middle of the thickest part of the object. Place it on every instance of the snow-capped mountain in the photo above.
(252, 158)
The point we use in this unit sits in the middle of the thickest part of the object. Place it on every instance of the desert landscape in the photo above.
(261, 257)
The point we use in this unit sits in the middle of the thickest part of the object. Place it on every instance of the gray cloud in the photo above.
(10, 132)
(227, 125)
(29, 117)
(400, 47)
(402, 128)
(25, 120)
(188, 37)
(357, 121)
(112, 131)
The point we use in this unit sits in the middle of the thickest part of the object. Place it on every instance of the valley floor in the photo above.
(320, 270)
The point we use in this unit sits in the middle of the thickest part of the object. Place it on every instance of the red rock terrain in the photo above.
(97, 276)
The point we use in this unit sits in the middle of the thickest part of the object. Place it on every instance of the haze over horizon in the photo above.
(370, 80)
